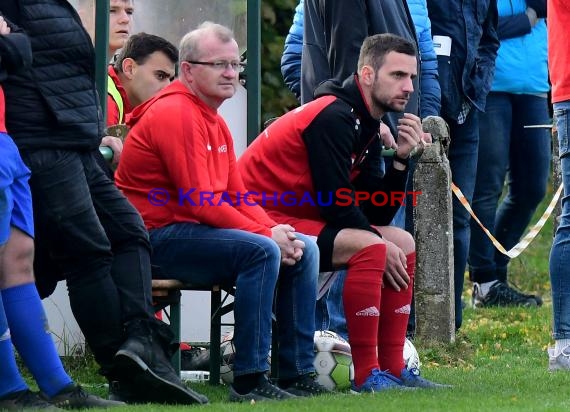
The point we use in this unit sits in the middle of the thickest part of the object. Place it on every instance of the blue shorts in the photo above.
(15, 195)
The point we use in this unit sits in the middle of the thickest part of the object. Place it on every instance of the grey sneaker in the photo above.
(75, 397)
(560, 362)
(501, 294)
(25, 400)
(265, 391)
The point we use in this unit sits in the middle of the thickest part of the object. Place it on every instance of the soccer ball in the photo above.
(333, 360)
(227, 355)
(411, 357)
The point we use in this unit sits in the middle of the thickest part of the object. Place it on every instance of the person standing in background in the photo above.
(508, 150)
(466, 44)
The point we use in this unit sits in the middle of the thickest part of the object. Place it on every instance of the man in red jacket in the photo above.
(203, 229)
(322, 164)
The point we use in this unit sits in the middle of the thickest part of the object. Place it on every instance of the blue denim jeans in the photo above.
(205, 256)
(560, 253)
(506, 146)
(463, 164)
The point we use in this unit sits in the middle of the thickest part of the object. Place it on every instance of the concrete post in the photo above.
(434, 286)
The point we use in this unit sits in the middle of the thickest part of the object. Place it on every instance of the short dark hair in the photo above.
(375, 48)
(141, 45)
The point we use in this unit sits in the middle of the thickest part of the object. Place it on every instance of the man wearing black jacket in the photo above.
(91, 231)
(320, 166)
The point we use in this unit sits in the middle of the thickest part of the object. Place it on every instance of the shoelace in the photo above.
(377, 376)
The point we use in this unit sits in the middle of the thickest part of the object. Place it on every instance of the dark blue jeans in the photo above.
(206, 256)
(463, 163)
(521, 156)
(560, 254)
(96, 239)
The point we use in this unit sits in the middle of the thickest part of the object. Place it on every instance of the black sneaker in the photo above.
(305, 385)
(195, 359)
(74, 397)
(25, 400)
(501, 294)
(153, 377)
(265, 391)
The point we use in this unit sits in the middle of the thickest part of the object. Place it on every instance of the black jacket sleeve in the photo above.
(513, 26)
(329, 140)
(15, 50)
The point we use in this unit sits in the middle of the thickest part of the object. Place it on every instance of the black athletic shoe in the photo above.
(195, 359)
(265, 391)
(25, 400)
(305, 385)
(75, 397)
(153, 377)
(501, 294)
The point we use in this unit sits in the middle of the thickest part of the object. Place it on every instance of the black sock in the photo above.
(246, 383)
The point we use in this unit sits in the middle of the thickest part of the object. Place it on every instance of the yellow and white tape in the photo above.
(525, 241)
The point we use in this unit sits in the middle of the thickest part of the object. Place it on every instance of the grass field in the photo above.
(498, 361)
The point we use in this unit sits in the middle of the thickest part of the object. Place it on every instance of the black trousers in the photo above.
(88, 233)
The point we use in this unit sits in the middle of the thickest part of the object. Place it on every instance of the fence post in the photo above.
(433, 232)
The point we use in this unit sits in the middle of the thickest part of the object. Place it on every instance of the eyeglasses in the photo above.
(221, 65)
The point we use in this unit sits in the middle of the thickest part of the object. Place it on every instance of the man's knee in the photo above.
(18, 259)
(406, 242)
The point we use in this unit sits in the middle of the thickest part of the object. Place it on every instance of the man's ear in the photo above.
(366, 75)
(128, 66)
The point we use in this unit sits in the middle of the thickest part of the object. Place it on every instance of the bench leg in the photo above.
(175, 327)
(215, 336)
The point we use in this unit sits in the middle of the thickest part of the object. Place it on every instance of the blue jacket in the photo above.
(467, 74)
(521, 65)
(291, 59)
(430, 91)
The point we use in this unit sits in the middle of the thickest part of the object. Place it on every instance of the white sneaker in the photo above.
(560, 362)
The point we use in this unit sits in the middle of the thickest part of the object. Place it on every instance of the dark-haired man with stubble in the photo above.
(145, 65)
(331, 146)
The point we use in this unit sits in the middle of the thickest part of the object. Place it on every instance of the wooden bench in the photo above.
(167, 292)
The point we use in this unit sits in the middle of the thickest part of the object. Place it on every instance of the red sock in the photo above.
(394, 314)
(361, 298)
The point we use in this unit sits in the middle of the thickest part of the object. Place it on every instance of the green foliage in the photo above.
(276, 19)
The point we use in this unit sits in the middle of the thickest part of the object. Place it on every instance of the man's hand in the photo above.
(395, 273)
(116, 145)
(291, 247)
(532, 17)
(4, 29)
(410, 135)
